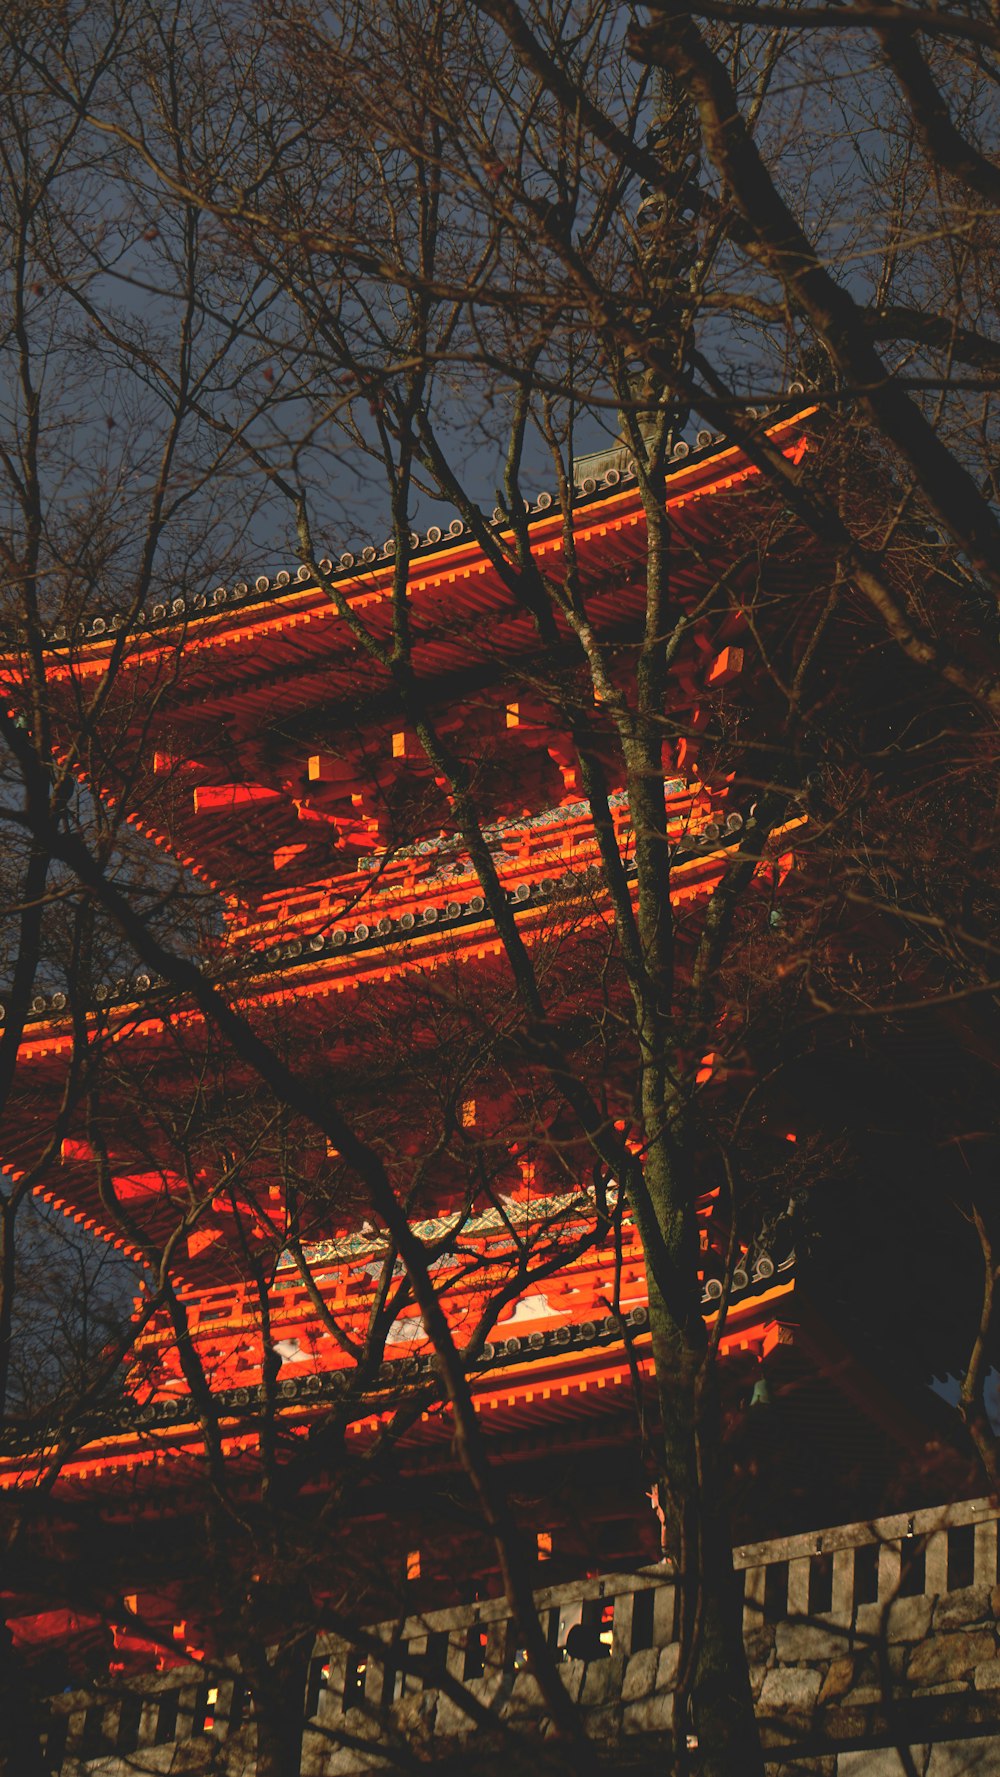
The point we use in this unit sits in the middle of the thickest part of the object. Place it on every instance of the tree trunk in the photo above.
(713, 1676)
(20, 1744)
(277, 1681)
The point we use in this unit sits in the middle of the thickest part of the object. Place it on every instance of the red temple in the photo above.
(261, 748)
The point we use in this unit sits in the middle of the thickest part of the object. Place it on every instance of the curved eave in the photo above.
(293, 645)
(305, 986)
(542, 1377)
(360, 965)
(257, 615)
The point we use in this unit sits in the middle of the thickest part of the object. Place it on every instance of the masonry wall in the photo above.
(862, 1639)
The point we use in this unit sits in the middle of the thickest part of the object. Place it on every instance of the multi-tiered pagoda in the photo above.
(261, 749)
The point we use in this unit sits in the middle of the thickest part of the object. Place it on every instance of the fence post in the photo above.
(753, 1598)
(798, 1586)
(985, 1569)
(936, 1562)
(890, 1561)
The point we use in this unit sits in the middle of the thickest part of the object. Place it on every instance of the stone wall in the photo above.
(862, 1639)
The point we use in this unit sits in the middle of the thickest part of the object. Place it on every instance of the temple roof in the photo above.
(520, 1376)
(314, 936)
(224, 613)
(339, 985)
(263, 746)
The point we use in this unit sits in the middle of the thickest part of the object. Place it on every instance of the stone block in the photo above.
(790, 1688)
(881, 1665)
(640, 1674)
(881, 1761)
(909, 1619)
(863, 1696)
(757, 1677)
(900, 1619)
(759, 1644)
(451, 1721)
(238, 1765)
(362, 1723)
(799, 1642)
(987, 1678)
(897, 1658)
(867, 1665)
(954, 1610)
(602, 1680)
(155, 1759)
(573, 1673)
(349, 1762)
(964, 1758)
(822, 1766)
(839, 1679)
(314, 1754)
(666, 1672)
(189, 1761)
(947, 1657)
(526, 1694)
(650, 1715)
(413, 1715)
(870, 1622)
(604, 1724)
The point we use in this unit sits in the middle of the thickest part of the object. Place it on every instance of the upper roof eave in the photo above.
(265, 601)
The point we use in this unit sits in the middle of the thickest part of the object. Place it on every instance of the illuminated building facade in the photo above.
(261, 751)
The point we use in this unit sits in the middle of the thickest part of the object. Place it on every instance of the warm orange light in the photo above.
(725, 666)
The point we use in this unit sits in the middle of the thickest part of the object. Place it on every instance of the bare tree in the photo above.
(552, 233)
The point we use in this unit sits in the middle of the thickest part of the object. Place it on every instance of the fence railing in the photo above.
(848, 1574)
